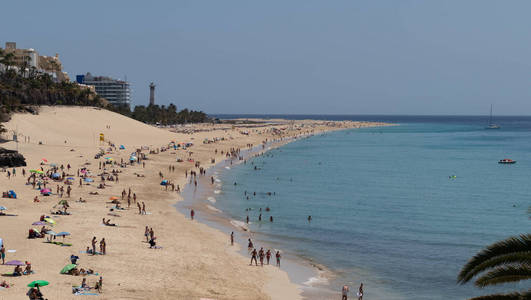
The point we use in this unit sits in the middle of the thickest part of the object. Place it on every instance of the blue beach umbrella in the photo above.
(70, 178)
(164, 182)
(3, 208)
(89, 180)
(62, 233)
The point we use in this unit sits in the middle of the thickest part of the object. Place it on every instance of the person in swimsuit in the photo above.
(268, 255)
(344, 292)
(278, 258)
(360, 292)
(146, 234)
(3, 254)
(232, 238)
(261, 254)
(253, 257)
(94, 245)
(250, 245)
(192, 214)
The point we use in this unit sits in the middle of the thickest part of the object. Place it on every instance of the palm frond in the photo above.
(501, 248)
(504, 275)
(523, 257)
(512, 296)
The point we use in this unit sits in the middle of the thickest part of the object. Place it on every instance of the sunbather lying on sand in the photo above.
(4, 284)
(108, 222)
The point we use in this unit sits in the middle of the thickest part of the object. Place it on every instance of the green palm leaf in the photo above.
(523, 257)
(512, 296)
(504, 275)
(511, 246)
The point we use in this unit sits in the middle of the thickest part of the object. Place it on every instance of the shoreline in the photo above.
(310, 277)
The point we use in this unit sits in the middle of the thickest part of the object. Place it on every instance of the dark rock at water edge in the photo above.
(11, 158)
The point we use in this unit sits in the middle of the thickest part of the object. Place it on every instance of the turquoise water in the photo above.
(384, 209)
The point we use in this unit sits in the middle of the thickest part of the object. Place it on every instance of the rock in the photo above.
(11, 158)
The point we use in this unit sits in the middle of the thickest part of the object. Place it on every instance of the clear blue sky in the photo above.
(337, 57)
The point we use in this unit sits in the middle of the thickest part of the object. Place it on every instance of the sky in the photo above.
(294, 57)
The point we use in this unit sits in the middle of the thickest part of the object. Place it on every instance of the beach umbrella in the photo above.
(39, 172)
(122, 147)
(3, 208)
(132, 158)
(67, 268)
(108, 158)
(33, 171)
(114, 198)
(62, 202)
(56, 175)
(46, 191)
(53, 165)
(39, 223)
(15, 263)
(38, 283)
(164, 182)
(89, 180)
(51, 232)
(70, 178)
(62, 233)
(44, 160)
(49, 220)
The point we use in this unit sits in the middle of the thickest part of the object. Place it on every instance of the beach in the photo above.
(195, 261)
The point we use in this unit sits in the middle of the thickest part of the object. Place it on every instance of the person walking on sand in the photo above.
(253, 257)
(139, 208)
(103, 245)
(268, 255)
(144, 208)
(192, 214)
(146, 234)
(278, 258)
(232, 238)
(360, 292)
(3, 254)
(261, 254)
(344, 292)
(94, 241)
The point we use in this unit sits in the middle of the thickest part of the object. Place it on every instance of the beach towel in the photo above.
(97, 253)
(85, 294)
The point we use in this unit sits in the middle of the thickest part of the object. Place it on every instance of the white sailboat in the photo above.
(491, 125)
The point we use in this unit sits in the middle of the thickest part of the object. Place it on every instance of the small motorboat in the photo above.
(507, 161)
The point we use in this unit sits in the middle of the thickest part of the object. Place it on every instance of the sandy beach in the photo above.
(195, 261)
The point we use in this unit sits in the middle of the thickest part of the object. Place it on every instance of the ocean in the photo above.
(399, 208)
